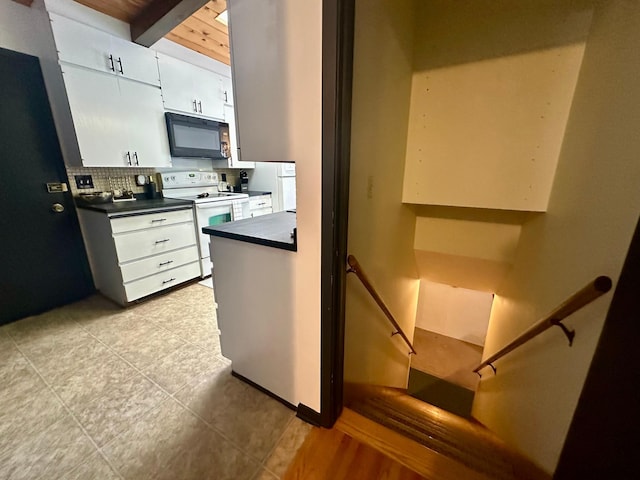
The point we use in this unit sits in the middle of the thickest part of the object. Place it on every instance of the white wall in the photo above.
(380, 227)
(490, 100)
(471, 248)
(455, 312)
(303, 33)
(593, 210)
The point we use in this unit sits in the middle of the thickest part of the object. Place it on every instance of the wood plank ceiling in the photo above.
(200, 32)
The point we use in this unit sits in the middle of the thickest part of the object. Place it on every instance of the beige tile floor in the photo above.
(94, 391)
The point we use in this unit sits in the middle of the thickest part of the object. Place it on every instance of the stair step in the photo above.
(450, 436)
(426, 462)
(441, 393)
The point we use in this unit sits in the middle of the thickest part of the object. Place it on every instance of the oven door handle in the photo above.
(215, 205)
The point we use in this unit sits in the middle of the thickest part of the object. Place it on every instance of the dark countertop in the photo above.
(140, 204)
(254, 193)
(273, 230)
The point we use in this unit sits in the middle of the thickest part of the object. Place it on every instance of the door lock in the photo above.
(57, 208)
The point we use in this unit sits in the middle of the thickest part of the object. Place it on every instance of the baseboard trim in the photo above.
(309, 415)
(264, 390)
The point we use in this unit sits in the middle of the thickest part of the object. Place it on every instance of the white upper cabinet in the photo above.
(92, 48)
(100, 134)
(190, 89)
(143, 117)
(118, 122)
(234, 161)
(227, 85)
(135, 62)
(262, 66)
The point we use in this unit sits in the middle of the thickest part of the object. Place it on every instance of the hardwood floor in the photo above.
(334, 455)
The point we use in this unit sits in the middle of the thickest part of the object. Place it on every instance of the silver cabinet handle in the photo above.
(135, 157)
(112, 66)
(162, 241)
(161, 264)
(195, 106)
(129, 158)
(168, 281)
(158, 220)
(199, 106)
(120, 63)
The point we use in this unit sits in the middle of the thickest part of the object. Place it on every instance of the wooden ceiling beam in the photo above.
(160, 17)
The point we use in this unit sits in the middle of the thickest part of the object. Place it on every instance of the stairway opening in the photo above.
(451, 326)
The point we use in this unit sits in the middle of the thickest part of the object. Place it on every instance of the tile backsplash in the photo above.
(106, 179)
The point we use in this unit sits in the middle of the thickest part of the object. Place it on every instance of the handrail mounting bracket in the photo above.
(569, 333)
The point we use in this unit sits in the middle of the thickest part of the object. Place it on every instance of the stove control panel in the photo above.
(189, 179)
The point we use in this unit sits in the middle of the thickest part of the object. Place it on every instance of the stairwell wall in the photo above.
(592, 212)
(381, 229)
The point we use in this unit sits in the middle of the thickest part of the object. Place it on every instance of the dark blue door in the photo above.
(43, 263)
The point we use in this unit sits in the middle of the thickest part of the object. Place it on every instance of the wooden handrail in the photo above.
(589, 293)
(354, 267)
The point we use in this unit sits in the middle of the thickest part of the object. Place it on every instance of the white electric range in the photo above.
(211, 206)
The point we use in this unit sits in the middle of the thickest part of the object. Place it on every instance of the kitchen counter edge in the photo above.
(138, 205)
(266, 230)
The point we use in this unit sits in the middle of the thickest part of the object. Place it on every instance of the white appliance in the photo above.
(280, 180)
(211, 207)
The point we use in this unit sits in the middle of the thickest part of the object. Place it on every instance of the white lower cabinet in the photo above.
(260, 205)
(160, 281)
(135, 254)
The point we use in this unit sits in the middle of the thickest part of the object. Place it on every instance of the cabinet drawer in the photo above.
(160, 281)
(261, 211)
(263, 201)
(138, 222)
(158, 263)
(144, 243)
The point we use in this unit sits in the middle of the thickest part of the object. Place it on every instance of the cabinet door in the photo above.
(94, 100)
(234, 161)
(177, 85)
(227, 85)
(260, 62)
(135, 62)
(143, 117)
(82, 45)
(209, 93)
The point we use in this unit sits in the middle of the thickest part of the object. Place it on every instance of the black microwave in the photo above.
(197, 137)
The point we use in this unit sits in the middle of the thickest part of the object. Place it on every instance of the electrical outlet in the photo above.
(83, 181)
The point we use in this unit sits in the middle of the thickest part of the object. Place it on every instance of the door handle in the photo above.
(113, 68)
(129, 158)
(135, 157)
(120, 63)
(195, 106)
(57, 208)
(225, 97)
(199, 107)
